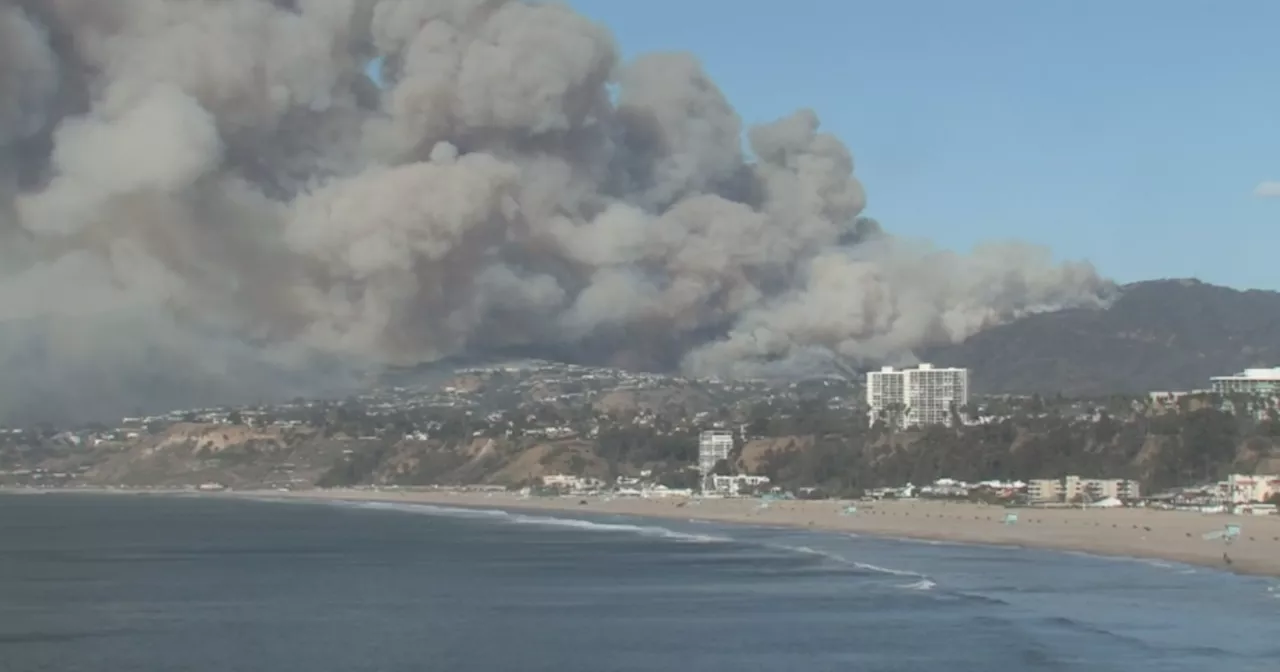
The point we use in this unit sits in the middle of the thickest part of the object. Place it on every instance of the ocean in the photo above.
(167, 583)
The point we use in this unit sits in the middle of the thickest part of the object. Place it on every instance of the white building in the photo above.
(1250, 381)
(1045, 490)
(1074, 489)
(1246, 488)
(914, 397)
(733, 485)
(1098, 489)
(713, 446)
(571, 483)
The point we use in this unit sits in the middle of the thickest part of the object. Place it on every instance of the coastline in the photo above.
(1132, 533)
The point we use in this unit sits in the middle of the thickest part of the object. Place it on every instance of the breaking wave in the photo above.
(839, 559)
(544, 521)
(922, 582)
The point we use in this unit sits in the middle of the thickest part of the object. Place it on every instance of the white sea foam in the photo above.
(922, 584)
(807, 550)
(925, 542)
(625, 528)
(1150, 562)
(885, 570)
(431, 509)
(644, 530)
(835, 557)
(545, 521)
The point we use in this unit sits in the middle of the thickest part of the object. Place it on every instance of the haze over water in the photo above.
(169, 583)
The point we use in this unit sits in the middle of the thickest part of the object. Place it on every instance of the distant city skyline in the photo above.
(1140, 136)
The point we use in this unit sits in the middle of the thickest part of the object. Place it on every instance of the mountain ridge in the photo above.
(1165, 334)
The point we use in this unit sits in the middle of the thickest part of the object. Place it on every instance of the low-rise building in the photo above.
(1095, 489)
(1076, 489)
(1248, 488)
(1045, 490)
(571, 483)
(734, 486)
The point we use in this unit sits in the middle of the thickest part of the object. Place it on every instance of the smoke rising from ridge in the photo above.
(208, 200)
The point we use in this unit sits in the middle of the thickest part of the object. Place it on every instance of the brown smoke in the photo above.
(207, 200)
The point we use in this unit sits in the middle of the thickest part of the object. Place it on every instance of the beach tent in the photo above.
(1108, 503)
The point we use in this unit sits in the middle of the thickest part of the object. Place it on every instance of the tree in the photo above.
(684, 479)
(353, 469)
(760, 419)
(235, 418)
(1209, 441)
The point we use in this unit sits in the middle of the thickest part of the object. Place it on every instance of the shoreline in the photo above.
(1127, 533)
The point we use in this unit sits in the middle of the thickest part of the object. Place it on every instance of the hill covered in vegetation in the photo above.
(1158, 335)
(512, 426)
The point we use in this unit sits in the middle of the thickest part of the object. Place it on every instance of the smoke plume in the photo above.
(209, 200)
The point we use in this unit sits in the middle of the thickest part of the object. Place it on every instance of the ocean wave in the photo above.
(625, 528)
(543, 521)
(885, 570)
(1150, 562)
(922, 584)
(1143, 643)
(643, 530)
(925, 542)
(839, 559)
(452, 511)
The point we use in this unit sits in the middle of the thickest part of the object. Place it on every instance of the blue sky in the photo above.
(1131, 133)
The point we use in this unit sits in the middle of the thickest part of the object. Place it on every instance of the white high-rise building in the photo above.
(713, 446)
(913, 397)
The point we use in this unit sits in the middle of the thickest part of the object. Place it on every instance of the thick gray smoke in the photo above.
(208, 199)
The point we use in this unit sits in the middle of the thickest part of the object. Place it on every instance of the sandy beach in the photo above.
(1143, 533)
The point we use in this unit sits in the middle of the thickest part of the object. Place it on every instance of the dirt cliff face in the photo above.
(193, 453)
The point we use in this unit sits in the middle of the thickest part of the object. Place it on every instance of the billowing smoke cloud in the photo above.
(208, 200)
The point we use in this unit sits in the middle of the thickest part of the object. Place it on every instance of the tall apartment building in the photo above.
(920, 396)
(1250, 381)
(713, 446)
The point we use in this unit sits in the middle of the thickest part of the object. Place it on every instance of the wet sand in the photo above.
(1145, 533)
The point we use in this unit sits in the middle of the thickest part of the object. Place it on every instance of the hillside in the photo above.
(800, 438)
(1158, 335)
(513, 423)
